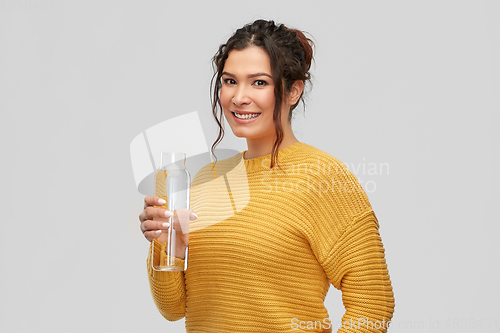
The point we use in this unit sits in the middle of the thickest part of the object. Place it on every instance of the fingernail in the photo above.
(168, 213)
(158, 232)
(196, 216)
(166, 225)
(161, 201)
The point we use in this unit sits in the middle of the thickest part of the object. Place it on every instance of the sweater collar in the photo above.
(263, 162)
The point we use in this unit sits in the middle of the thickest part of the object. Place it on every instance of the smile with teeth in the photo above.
(246, 116)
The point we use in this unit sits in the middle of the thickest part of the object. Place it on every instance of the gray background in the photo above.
(409, 84)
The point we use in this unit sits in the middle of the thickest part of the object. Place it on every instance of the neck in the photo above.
(264, 146)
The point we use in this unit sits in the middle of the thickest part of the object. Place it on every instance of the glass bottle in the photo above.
(172, 183)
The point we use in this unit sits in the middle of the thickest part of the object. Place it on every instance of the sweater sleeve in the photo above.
(345, 238)
(168, 290)
(356, 265)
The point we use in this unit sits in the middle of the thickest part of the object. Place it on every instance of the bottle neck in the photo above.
(172, 161)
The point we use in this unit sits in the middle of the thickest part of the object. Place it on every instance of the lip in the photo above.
(243, 112)
(244, 121)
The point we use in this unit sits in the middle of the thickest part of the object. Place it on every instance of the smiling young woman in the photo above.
(278, 223)
(248, 102)
(262, 68)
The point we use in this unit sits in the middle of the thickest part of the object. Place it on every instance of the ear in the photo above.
(295, 92)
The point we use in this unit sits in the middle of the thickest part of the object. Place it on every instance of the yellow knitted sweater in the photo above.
(268, 243)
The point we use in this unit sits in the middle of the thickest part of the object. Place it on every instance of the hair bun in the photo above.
(307, 45)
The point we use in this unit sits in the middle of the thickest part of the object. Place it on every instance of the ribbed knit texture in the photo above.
(268, 243)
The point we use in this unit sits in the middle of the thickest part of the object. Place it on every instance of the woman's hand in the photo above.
(150, 228)
(154, 220)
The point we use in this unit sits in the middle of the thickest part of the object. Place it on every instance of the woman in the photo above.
(262, 253)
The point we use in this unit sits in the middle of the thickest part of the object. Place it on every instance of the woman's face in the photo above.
(247, 91)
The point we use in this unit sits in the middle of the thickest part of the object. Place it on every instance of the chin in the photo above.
(239, 134)
(246, 133)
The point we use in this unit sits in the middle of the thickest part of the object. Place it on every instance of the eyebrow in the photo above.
(250, 75)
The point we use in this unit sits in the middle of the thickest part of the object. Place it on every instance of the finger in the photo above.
(149, 225)
(150, 235)
(153, 201)
(153, 213)
(142, 216)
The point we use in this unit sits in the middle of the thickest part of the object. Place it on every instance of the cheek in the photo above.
(225, 97)
(267, 100)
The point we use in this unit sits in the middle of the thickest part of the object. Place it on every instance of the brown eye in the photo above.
(228, 81)
(260, 83)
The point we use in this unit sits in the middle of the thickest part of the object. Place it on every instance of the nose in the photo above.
(240, 97)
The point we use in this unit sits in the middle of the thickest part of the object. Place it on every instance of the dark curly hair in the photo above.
(290, 53)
